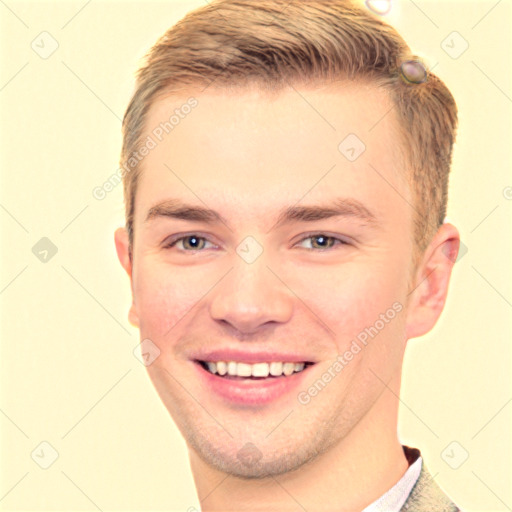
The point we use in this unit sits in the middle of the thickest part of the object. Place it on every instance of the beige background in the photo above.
(68, 373)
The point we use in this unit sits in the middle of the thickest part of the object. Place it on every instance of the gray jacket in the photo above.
(426, 495)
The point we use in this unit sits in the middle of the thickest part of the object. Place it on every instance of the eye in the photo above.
(188, 243)
(323, 242)
(194, 242)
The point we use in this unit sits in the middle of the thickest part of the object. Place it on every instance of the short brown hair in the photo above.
(274, 43)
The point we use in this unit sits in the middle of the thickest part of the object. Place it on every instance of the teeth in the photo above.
(288, 368)
(212, 367)
(232, 368)
(260, 370)
(222, 367)
(276, 369)
(243, 370)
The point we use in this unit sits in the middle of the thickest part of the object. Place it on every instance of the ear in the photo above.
(123, 253)
(430, 285)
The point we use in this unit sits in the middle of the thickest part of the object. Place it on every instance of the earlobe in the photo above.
(133, 318)
(430, 288)
(123, 253)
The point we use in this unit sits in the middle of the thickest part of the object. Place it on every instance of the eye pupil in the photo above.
(195, 241)
(323, 240)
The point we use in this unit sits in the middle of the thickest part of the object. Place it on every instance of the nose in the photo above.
(250, 296)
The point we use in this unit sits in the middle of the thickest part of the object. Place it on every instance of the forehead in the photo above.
(256, 149)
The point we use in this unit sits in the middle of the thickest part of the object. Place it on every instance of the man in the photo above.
(286, 169)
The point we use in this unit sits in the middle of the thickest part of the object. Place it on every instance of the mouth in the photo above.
(252, 384)
(257, 371)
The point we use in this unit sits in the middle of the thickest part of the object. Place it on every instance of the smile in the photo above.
(257, 370)
(252, 384)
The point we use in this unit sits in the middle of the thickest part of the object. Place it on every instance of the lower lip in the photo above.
(251, 391)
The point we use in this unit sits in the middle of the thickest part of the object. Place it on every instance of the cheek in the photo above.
(350, 298)
(165, 295)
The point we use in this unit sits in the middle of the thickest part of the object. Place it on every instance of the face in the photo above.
(306, 260)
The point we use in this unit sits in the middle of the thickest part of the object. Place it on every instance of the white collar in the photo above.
(393, 500)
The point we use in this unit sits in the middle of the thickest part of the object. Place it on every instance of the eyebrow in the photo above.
(340, 207)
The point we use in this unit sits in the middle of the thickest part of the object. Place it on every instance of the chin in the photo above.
(249, 463)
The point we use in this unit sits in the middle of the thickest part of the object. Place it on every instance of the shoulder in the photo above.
(426, 495)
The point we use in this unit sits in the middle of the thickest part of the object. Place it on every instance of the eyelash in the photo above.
(338, 242)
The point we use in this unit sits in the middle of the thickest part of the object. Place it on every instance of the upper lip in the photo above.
(244, 356)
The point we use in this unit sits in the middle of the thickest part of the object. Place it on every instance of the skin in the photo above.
(248, 154)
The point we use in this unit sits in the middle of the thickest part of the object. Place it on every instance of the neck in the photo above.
(346, 478)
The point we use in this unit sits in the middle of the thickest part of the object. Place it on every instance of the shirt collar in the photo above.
(393, 500)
